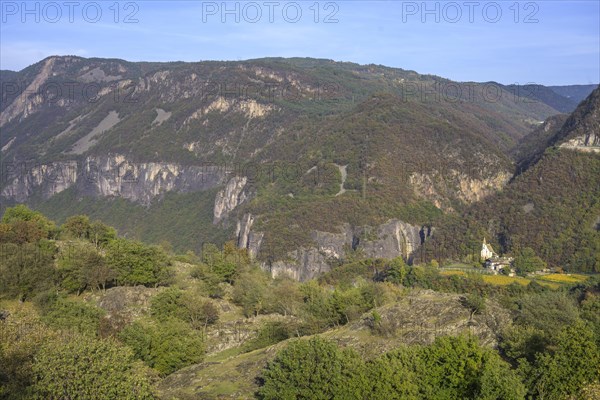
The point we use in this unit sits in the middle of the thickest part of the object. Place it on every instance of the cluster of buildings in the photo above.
(494, 262)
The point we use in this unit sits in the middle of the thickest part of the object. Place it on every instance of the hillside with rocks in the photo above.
(275, 154)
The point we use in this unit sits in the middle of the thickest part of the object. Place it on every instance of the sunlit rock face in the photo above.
(229, 198)
(47, 179)
(392, 239)
(110, 176)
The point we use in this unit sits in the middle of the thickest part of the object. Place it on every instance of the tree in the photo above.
(567, 371)
(80, 367)
(198, 311)
(23, 334)
(397, 271)
(526, 261)
(523, 342)
(318, 308)
(498, 380)
(21, 232)
(101, 234)
(395, 375)
(77, 226)
(166, 346)
(97, 273)
(225, 264)
(26, 269)
(81, 265)
(548, 312)
(250, 292)
(187, 306)
(22, 213)
(285, 297)
(458, 368)
(313, 369)
(138, 264)
(165, 304)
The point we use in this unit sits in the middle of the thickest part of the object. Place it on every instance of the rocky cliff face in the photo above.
(47, 179)
(581, 130)
(229, 198)
(110, 176)
(590, 142)
(389, 240)
(436, 187)
(246, 238)
(25, 105)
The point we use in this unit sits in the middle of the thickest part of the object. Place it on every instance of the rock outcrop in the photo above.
(302, 265)
(440, 188)
(589, 142)
(581, 130)
(389, 240)
(229, 198)
(47, 179)
(109, 176)
(246, 238)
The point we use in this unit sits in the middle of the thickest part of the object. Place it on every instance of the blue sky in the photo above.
(547, 42)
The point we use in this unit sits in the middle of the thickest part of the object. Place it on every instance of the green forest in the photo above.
(87, 314)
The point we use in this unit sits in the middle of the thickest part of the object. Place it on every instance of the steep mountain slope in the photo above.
(52, 105)
(531, 147)
(553, 207)
(283, 155)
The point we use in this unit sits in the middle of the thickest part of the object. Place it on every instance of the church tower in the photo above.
(487, 251)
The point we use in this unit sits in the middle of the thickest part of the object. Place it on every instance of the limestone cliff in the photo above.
(581, 131)
(246, 238)
(229, 198)
(48, 179)
(439, 188)
(590, 142)
(389, 240)
(108, 176)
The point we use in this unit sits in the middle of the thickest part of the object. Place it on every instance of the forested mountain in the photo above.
(297, 160)
(295, 228)
(554, 205)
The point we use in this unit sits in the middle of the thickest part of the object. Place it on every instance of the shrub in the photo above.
(166, 346)
(83, 367)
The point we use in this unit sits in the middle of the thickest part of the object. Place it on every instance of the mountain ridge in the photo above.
(411, 147)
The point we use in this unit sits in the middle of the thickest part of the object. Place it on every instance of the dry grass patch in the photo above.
(453, 272)
(504, 280)
(564, 278)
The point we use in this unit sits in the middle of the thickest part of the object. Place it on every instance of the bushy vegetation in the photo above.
(137, 264)
(96, 368)
(450, 368)
(166, 346)
(313, 369)
(56, 323)
(546, 216)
